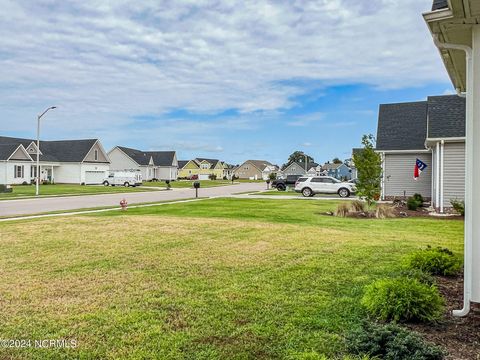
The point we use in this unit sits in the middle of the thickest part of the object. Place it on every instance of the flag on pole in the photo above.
(419, 167)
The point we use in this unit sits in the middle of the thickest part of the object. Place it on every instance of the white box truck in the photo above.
(123, 178)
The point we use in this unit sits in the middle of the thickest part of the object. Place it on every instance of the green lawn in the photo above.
(217, 279)
(20, 191)
(188, 183)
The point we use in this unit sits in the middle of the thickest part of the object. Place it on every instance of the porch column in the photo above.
(437, 176)
(472, 228)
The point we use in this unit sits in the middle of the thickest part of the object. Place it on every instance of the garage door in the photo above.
(94, 177)
(203, 177)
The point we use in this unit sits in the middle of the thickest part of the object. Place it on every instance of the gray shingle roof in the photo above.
(446, 116)
(402, 126)
(160, 158)
(439, 4)
(56, 151)
(331, 166)
(6, 150)
(260, 164)
(182, 163)
(211, 161)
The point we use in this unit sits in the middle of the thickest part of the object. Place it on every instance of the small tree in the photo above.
(369, 168)
(337, 161)
(272, 176)
(299, 157)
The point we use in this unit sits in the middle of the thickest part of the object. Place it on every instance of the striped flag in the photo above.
(419, 167)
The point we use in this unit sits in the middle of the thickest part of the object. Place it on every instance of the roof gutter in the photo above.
(467, 282)
(468, 52)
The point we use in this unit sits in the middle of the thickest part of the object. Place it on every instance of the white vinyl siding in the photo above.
(398, 177)
(453, 173)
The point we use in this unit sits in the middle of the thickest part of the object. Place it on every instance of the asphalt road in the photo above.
(35, 206)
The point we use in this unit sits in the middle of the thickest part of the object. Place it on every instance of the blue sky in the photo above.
(233, 80)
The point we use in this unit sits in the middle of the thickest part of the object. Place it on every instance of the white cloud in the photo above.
(104, 62)
(306, 120)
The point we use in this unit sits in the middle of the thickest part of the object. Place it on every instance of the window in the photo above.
(18, 171)
(205, 166)
(96, 154)
(33, 171)
(302, 179)
(316, 180)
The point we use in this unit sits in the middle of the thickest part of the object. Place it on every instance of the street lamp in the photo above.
(37, 185)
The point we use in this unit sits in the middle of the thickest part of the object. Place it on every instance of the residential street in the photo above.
(34, 206)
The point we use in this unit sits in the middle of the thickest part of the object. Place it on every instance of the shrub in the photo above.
(419, 275)
(313, 355)
(458, 206)
(434, 261)
(342, 209)
(5, 189)
(359, 206)
(384, 211)
(413, 204)
(212, 177)
(403, 299)
(391, 342)
(419, 198)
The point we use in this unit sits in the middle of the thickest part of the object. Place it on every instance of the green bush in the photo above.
(417, 274)
(419, 198)
(5, 189)
(413, 204)
(434, 261)
(403, 299)
(458, 206)
(391, 342)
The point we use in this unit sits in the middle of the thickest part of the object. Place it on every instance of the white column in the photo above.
(382, 186)
(442, 162)
(473, 162)
(437, 176)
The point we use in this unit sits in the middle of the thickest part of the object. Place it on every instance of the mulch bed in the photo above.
(459, 336)
(401, 211)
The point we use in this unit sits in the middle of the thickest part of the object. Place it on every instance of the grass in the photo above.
(25, 191)
(188, 183)
(217, 279)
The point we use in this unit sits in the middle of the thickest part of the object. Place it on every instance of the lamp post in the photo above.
(37, 182)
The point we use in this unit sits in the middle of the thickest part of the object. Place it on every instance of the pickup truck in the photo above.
(281, 184)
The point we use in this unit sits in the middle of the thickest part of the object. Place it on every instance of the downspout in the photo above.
(468, 248)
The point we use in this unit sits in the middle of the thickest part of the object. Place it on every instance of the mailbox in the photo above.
(196, 184)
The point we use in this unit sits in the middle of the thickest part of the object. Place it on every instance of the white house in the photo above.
(154, 165)
(64, 161)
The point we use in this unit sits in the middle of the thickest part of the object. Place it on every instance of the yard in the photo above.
(21, 191)
(215, 279)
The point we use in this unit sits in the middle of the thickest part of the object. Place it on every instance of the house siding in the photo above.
(453, 173)
(247, 171)
(101, 156)
(120, 161)
(398, 176)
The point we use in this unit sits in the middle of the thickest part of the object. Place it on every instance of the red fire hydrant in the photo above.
(123, 204)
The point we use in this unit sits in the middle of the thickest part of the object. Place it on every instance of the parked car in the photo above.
(309, 186)
(123, 178)
(281, 184)
(192, 177)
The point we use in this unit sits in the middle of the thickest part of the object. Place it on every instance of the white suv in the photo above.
(309, 186)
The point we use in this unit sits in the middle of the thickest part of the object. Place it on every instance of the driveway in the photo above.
(35, 206)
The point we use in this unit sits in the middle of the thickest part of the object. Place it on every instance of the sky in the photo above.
(232, 80)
